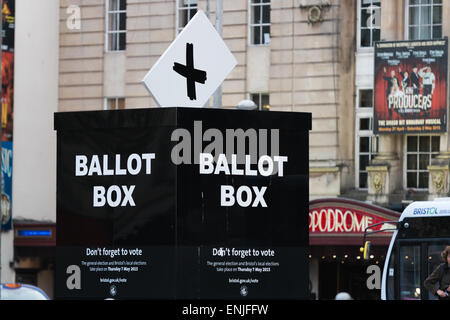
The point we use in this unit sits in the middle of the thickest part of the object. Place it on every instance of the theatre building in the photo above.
(389, 142)
(336, 229)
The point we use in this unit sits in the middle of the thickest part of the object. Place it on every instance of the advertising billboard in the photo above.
(410, 87)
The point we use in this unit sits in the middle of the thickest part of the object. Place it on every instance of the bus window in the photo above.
(390, 278)
(410, 272)
(434, 260)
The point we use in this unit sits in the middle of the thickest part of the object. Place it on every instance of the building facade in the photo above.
(285, 60)
(293, 55)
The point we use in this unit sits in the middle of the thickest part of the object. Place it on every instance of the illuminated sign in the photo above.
(343, 220)
(29, 233)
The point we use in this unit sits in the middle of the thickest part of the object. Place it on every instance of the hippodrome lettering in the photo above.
(338, 220)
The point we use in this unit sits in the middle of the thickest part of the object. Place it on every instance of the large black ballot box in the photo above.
(182, 203)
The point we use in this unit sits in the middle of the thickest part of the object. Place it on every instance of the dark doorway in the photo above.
(335, 277)
(342, 269)
(327, 280)
(353, 279)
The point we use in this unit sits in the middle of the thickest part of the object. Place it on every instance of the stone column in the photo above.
(384, 172)
(438, 181)
(378, 184)
(392, 20)
(445, 21)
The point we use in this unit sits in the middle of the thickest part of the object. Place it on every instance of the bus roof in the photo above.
(438, 208)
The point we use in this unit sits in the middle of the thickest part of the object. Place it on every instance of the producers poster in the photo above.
(410, 87)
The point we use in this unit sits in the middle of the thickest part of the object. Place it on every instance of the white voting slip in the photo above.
(192, 68)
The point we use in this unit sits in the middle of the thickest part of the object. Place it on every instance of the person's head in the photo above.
(405, 74)
(393, 73)
(428, 69)
(415, 69)
(446, 254)
(395, 82)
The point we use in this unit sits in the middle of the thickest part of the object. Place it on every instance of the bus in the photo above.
(419, 237)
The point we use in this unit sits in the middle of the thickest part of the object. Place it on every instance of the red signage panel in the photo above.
(339, 221)
(342, 220)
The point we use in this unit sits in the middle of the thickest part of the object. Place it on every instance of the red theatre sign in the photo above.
(343, 221)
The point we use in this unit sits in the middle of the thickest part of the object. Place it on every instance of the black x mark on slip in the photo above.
(188, 71)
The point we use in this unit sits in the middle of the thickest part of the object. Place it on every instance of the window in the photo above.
(410, 273)
(365, 98)
(114, 103)
(369, 22)
(424, 19)
(261, 100)
(419, 152)
(367, 146)
(116, 25)
(186, 9)
(366, 141)
(260, 22)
